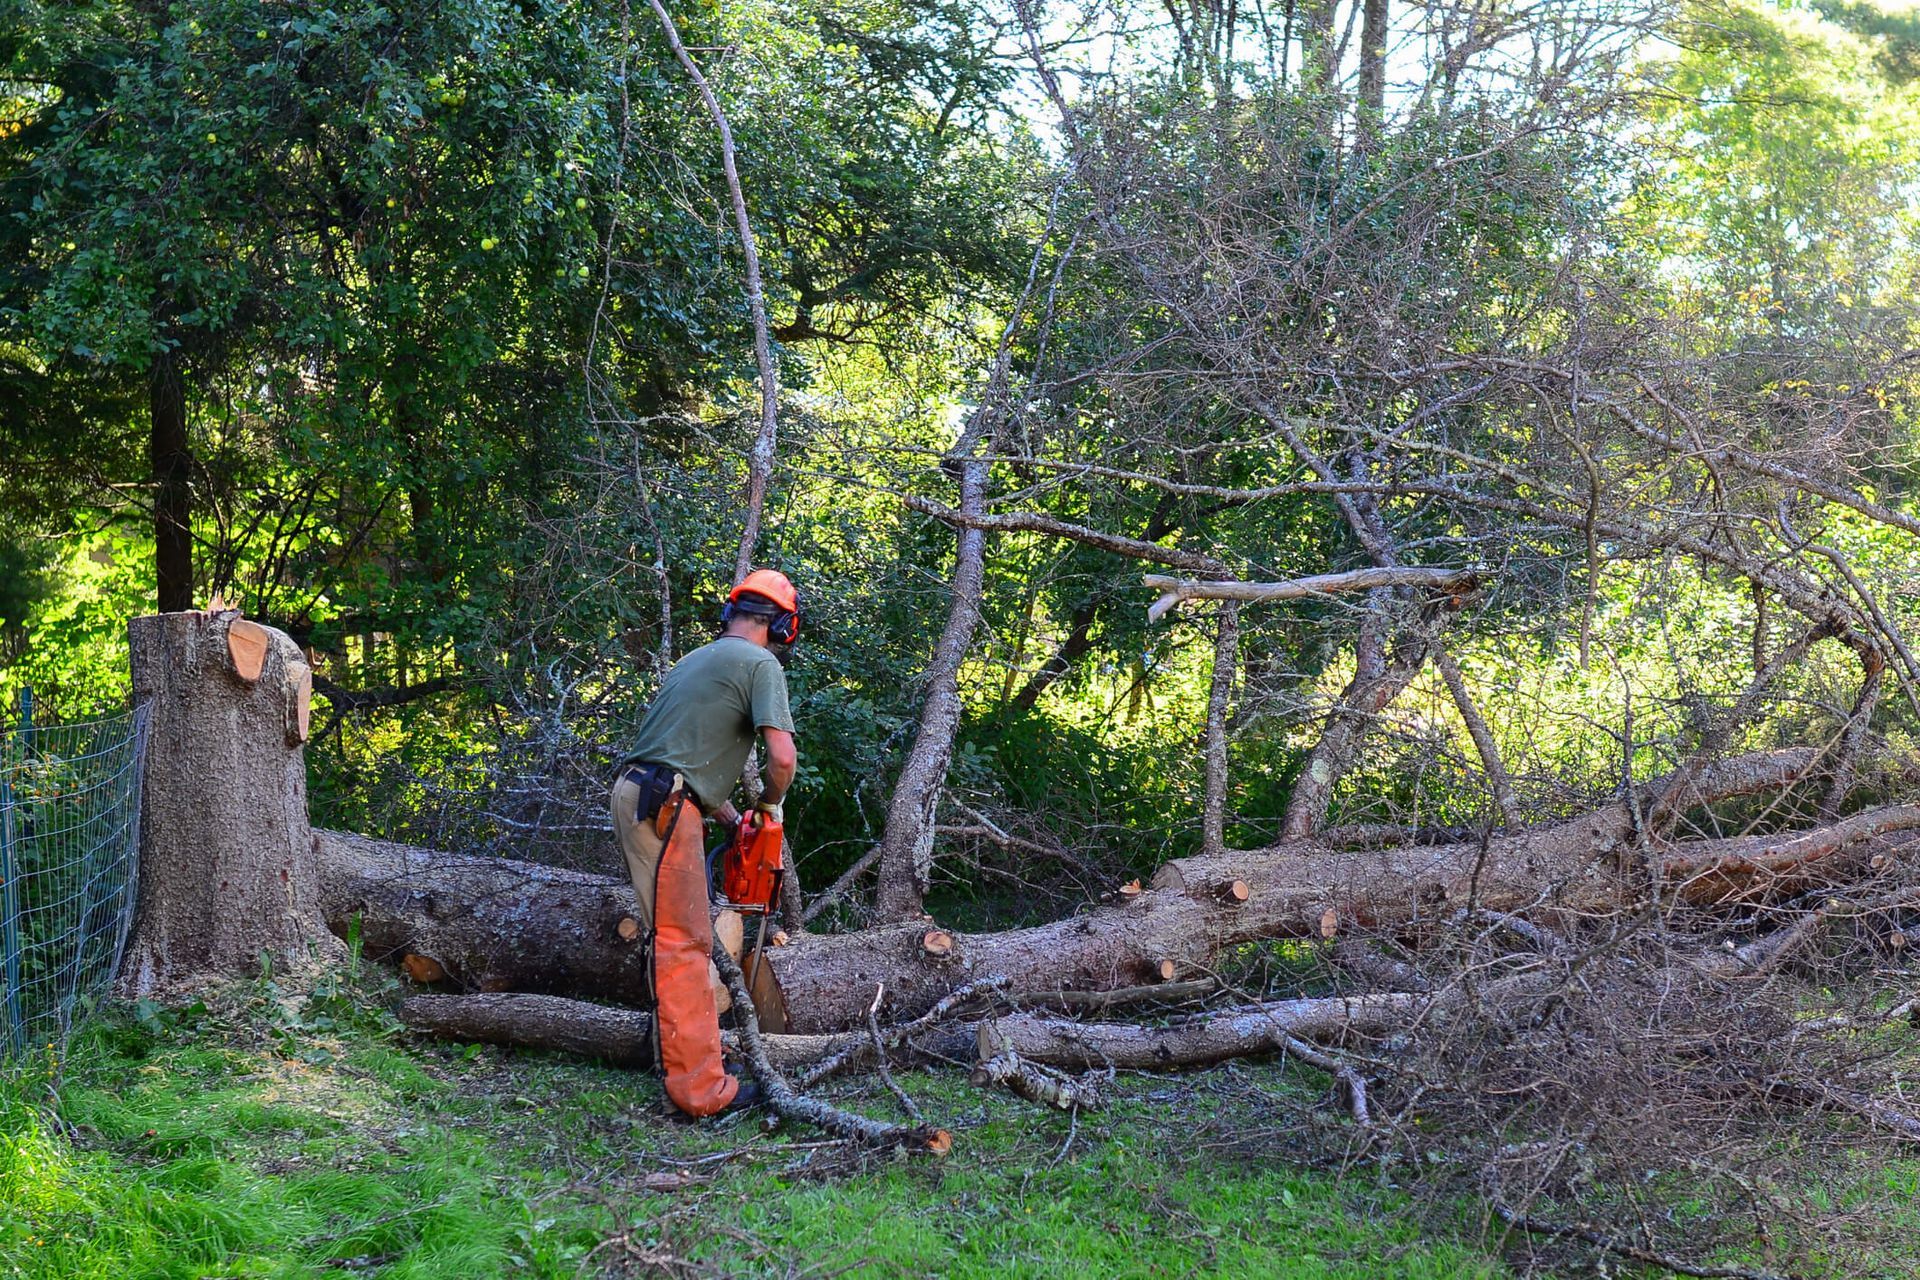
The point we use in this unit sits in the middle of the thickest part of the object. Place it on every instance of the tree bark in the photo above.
(1372, 107)
(227, 866)
(906, 845)
(490, 923)
(1226, 650)
(603, 1031)
(620, 1036)
(171, 461)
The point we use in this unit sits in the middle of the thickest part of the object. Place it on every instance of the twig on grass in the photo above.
(907, 1104)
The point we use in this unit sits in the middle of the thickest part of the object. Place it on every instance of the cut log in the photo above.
(422, 969)
(1716, 871)
(488, 922)
(619, 1036)
(730, 931)
(614, 1035)
(1231, 891)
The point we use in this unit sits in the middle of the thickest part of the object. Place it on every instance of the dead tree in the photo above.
(491, 923)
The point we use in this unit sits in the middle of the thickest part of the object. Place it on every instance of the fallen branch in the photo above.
(1206, 1038)
(907, 1104)
(900, 1036)
(1033, 522)
(996, 1063)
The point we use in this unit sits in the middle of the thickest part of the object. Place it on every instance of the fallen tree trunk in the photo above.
(620, 1036)
(494, 924)
(1204, 1039)
(615, 1035)
(487, 924)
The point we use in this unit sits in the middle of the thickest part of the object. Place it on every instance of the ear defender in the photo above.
(782, 627)
(785, 627)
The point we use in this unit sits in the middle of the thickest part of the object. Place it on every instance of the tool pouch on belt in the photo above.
(656, 783)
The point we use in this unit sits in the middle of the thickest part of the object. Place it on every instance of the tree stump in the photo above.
(228, 873)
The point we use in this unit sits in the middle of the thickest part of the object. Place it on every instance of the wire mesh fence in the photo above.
(69, 852)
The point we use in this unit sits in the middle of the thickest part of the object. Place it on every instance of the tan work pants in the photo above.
(667, 860)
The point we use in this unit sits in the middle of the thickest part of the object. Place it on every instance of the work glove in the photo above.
(773, 810)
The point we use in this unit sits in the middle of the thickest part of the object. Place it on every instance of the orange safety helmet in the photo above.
(777, 588)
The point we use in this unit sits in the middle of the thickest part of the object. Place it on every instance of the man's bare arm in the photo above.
(781, 761)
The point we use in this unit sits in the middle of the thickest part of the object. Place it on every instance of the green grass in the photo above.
(246, 1141)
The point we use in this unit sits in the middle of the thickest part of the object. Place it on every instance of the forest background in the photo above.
(427, 329)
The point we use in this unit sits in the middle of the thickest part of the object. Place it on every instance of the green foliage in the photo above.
(456, 296)
(386, 244)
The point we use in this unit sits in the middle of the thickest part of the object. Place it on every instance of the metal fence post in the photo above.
(10, 888)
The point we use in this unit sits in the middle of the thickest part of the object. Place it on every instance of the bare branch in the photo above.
(760, 459)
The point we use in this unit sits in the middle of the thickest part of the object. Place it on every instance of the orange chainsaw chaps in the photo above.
(750, 873)
(688, 1020)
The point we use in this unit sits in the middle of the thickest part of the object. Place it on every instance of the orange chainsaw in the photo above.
(751, 866)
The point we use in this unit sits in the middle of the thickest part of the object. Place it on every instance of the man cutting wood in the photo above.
(691, 749)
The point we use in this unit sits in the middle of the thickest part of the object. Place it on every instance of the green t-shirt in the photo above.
(702, 721)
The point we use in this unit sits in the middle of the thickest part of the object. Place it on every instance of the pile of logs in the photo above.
(545, 957)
